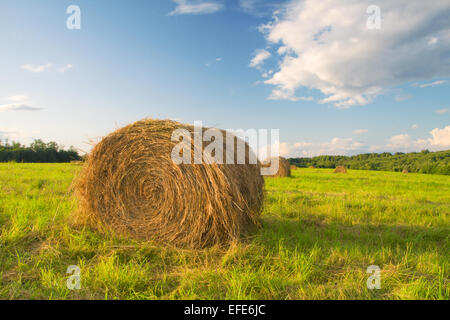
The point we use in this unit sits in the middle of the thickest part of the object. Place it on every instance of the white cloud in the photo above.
(326, 45)
(431, 84)
(286, 95)
(440, 137)
(65, 68)
(442, 111)
(36, 68)
(17, 107)
(360, 131)
(440, 140)
(414, 126)
(259, 58)
(218, 59)
(195, 7)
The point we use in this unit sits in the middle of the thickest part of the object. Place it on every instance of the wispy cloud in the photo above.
(36, 68)
(430, 84)
(442, 111)
(195, 7)
(18, 107)
(414, 126)
(360, 131)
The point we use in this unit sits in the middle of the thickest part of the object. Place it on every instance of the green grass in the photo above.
(320, 231)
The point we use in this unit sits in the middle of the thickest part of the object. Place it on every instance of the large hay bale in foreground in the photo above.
(340, 169)
(131, 186)
(284, 167)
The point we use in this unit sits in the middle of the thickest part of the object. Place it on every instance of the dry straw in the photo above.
(131, 186)
(340, 169)
(284, 167)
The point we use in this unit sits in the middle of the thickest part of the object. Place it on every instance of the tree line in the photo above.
(420, 162)
(37, 151)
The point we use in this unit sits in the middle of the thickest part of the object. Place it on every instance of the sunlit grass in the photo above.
(320, 231)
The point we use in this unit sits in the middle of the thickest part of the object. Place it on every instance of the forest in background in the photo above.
(419, 162)
(38, 151)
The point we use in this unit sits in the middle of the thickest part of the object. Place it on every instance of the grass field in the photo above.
(320, 231)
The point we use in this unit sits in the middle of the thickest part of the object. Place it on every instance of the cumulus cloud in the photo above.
(326, 45)
(36, 68)
(195, 7)
(439, 139)
(259, 58)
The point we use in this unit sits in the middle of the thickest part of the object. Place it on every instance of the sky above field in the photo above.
(330, 75)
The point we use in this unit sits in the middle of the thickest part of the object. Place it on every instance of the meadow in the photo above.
(319, 232)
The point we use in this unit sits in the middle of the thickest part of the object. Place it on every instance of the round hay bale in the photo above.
(405, 171)
(284, 167)
(311, 167)
(340, 169)
(293, 167)
(131, 186)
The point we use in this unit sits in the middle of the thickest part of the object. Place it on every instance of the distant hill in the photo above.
(421, 162)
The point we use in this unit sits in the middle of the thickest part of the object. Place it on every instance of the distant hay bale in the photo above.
(131, 186)
(311, 167)
(284, 167)
(293, 167)
(340, 169)
(405, 171)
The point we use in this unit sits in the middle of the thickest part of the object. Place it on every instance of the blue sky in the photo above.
(334, 87)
